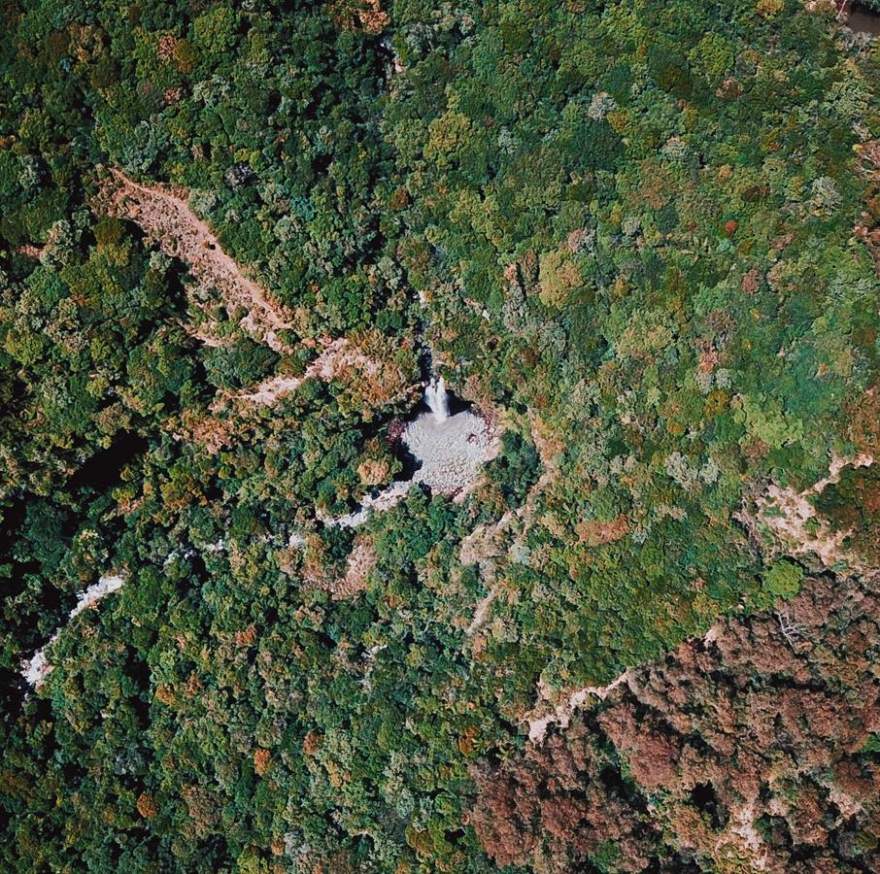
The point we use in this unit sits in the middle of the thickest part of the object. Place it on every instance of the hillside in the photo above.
(439, 437)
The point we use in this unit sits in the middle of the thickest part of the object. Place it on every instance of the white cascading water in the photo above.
(437, 399)
(450, 451)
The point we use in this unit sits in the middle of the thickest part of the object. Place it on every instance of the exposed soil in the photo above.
(489, 544)
(164, 214)
(363, 364)
(361, 561)
(560, 716)
(793, 521)
(452, 451)
(337, 356)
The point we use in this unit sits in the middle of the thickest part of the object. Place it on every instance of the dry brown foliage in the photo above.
(868, 227)
(864, 422)
(207, 431)
(262, 761)
(744, 751)
(365, 15)
(29, 250)
(146, 806)
(319, 573)
(374, 471)
(595, 532)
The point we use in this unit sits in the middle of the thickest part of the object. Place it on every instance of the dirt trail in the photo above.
(164, 214)
(344, 359)
(540, 720)
(336, 356)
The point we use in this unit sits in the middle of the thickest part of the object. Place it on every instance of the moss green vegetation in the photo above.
(639, 233)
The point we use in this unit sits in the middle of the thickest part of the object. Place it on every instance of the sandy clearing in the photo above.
(481, 613)
(361, 561)
(385, 500)
(488, 543)
(452, 452)
(837, 466)
(364, 364)
(269, 391)
(742, 828)
(164, 214)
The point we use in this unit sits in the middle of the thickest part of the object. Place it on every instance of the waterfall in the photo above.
(437, 399)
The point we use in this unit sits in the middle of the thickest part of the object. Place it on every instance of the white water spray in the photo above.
(450, 450)
(437, 399)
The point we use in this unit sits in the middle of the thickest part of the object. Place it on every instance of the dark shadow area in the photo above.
(13, 516)
(139, 672)
(12, 689)
(861, 19)
(103, 469)
(705, 800)
(13, 519)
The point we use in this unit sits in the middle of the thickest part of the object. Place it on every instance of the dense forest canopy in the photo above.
(639, 240)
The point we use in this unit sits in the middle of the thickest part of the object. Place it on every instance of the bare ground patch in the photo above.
(792, 519)
(164, 214)
(366, 363)
(540, 719)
